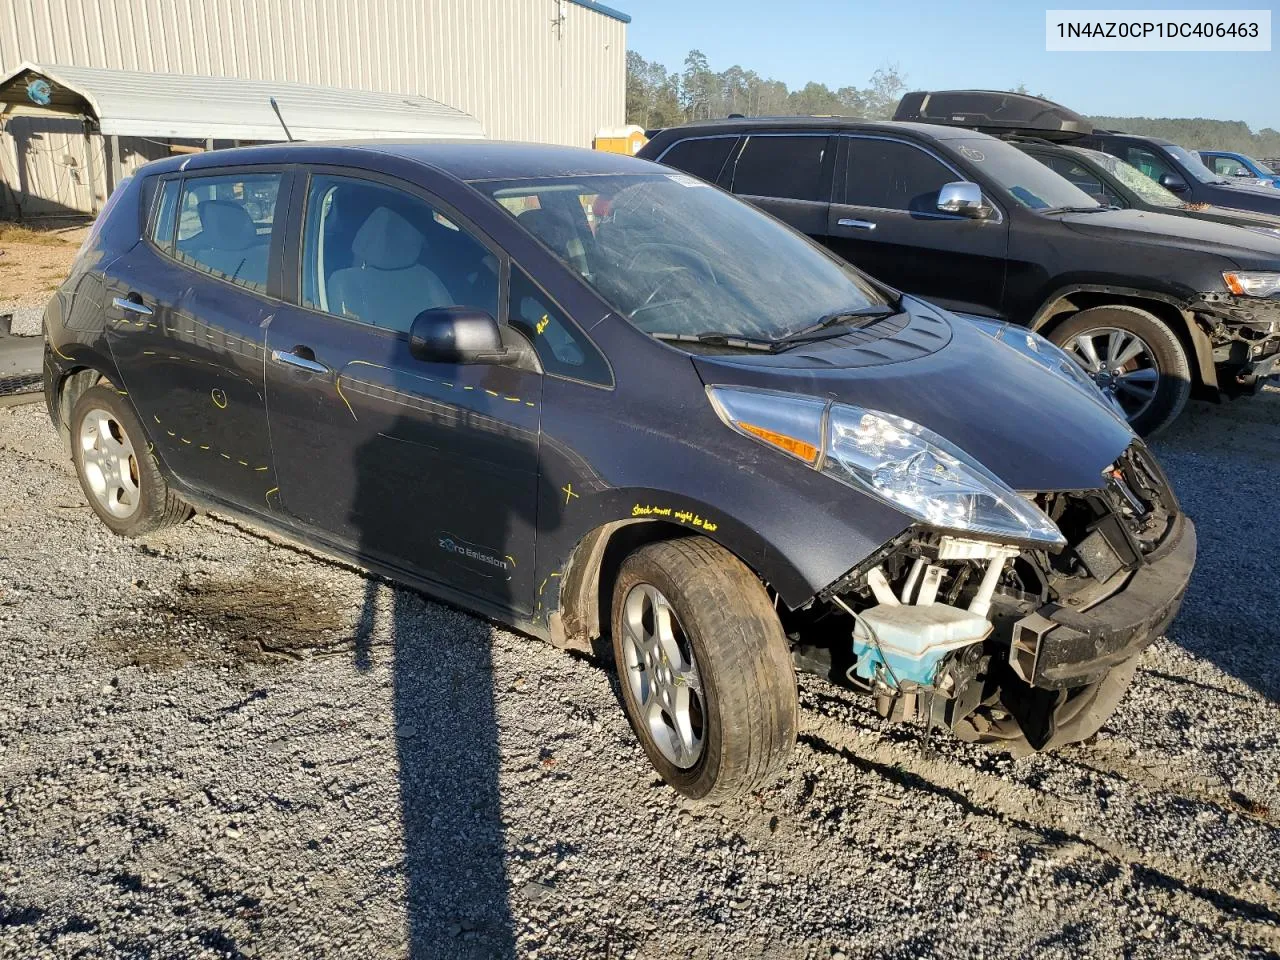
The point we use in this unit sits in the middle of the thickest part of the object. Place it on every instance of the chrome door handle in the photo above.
(302, 363)
(120, 303)
(856, 224)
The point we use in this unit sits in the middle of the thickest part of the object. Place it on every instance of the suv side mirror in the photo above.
(456, 335)
(1171, 181)
(964, 199)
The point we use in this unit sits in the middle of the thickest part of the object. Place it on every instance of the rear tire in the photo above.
(118, 475)
(1162, 363)
(706, 676)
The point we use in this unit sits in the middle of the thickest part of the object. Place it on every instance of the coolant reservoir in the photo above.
(913, 639)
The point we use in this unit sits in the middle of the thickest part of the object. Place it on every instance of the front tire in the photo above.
(706, 676)
(1135, 358)
(119, 477)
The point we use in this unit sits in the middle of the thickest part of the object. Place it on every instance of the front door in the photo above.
(428, 467)
(186, 310)
(885, 220)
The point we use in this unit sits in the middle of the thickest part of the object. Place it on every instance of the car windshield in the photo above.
(1133, 178)
(1258, 167)
(1193, 165)
(676, 256)
(1028, 181)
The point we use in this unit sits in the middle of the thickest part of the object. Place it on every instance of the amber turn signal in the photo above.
(797, 448)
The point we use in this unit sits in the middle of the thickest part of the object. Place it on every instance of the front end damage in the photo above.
(1002, 642)
(1244, 336)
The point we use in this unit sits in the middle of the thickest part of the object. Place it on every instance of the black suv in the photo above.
(1152, 306)
(1112, 182)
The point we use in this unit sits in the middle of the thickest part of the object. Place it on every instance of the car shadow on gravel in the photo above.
(1223, 463)
(456, 896)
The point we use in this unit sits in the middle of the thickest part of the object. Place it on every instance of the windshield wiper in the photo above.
(716, 339)
(1095, 209)
(837, 324)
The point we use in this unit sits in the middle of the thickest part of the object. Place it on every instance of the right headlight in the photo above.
(1252, 283)
(895, 460)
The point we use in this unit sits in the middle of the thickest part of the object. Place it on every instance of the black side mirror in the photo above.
(1171, 181)
(456, 335)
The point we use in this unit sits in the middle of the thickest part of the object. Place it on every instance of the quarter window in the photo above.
(562, 348)
(225, 224)
(893, 176)
(788, 168)
(381, 256)
(166, 208)
(702, 156)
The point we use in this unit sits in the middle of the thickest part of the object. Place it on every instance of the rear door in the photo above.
(885, 220)
(186, 310)
(428, 467)
(789, 176)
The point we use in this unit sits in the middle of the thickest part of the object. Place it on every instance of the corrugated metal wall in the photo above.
(544, 70)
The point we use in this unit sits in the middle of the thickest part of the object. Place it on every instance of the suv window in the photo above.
(1080, 177)
(379, 255)
(1147, 161)
(893, 176)
(702, 156)
(1228, 166)
(788, 168)
(561, 347)
(225, 224)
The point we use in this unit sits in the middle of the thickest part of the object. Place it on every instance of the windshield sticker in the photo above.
(972, 153)
(685, 180)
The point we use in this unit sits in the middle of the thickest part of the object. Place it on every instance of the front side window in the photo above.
(785, 168)
(1192, 164)
(676, 256)
(702, 156)
(890, 175)
(225, 225)
(381, 256)
(1228, 167)
(1148, 163)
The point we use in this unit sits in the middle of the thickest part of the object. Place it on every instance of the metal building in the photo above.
(543, 70)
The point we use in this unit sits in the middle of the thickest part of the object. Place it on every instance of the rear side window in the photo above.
(703, 156)
(891, 175)
(563, 349)
(789, 168)
(225, 224)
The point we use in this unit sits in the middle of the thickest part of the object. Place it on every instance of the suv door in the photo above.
(787, 175)
(186, 309)
(427, 467)
(1081, 177)
(885, 220)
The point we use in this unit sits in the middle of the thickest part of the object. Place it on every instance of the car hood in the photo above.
(1032, 428)
(1165, 230)
(1239, 218)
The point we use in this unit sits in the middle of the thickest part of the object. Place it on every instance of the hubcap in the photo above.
(662, 675)
(109, 463)
(1121, 363)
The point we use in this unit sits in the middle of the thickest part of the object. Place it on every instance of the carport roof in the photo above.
(136, 104)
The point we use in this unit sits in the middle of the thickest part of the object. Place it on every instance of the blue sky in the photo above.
(962, 43)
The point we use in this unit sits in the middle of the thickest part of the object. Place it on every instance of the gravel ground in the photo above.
(212, 745)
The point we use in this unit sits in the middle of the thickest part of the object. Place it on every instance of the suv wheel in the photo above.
(119, 477)
(706, 676)
(1134, 358)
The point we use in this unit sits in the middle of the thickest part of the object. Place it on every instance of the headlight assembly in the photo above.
(1252, 283)
(896, 461)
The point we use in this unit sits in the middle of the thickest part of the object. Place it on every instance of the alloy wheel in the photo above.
(1121, 363)
(663, 675)
(109, 463)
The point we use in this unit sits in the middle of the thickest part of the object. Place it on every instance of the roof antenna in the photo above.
(276, 107)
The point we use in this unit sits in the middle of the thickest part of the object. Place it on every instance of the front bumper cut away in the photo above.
(1057, 647)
